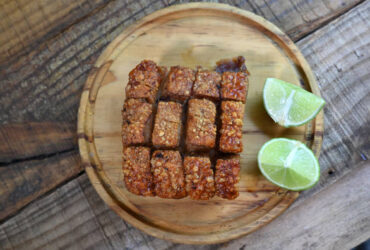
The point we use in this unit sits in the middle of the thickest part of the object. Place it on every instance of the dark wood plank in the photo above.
(74, 217)
(296, 18)
(24, 24)
(337, 218)
(49, 79)
(35, 139)
(22, 182)
(339, 55)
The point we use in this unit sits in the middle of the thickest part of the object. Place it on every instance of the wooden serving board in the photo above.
(190, 35)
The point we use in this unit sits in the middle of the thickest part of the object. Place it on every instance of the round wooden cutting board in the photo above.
(190, 35)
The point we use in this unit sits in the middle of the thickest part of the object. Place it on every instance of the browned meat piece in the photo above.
(207, 85)
(234, 86)
(167, 126)
(200, 183)
(236, 64)
(231, 127)
(179, 83)
(136, 169)
(227, 178)
(137, 122)
(168, 174)
(144, 81)
(201, 128)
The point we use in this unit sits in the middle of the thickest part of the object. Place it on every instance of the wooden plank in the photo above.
(336, 218)
(339, 55)
(22, 182)
(50, 77)
(75, 217)
(35, 139)
(26, 23)
(34, 158)
(297, 18)
(57, 99)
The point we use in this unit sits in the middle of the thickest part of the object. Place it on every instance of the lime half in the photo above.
(288, 104)
(289, 164)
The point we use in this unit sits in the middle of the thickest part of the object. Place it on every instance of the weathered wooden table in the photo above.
(46, 51)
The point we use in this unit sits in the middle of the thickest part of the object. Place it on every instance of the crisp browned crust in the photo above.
(167, 126)
(136, 170)
(168, 174)
(137, 122)
(227, 178)
(200, 184)
(179, 83)
(207, 85)
(164, 174)
(201, 127)
(234, 86)
(231, 127)
(144, 81)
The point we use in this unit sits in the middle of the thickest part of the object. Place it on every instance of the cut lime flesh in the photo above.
(288, 104)
(289, 164)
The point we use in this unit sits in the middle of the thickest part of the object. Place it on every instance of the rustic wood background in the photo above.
(46, 51)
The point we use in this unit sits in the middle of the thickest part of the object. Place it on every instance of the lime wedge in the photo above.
(289, 164)
(288, 104)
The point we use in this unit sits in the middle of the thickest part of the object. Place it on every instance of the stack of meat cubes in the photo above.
(182, 130)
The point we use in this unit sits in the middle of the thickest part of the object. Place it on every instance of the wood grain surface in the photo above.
(190, 35)
(75, 217)
(44, 83)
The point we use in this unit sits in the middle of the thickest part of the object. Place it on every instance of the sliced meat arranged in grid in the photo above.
(144, 81)
(168, 174)
(200, 183)
(179, 83)
(199, 92)
(137, 118)
(167, 125)
(200, 127)
(231, 127)
(136, 169)
(207, 85)
(227, 177)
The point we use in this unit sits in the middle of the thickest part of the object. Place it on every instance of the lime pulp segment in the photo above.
(288, 104)
(289, 164)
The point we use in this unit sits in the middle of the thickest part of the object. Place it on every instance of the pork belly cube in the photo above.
(136, 171)
(137, 122)
(179, 83)
(231, 127)
(144, 81)
(201, 127)
(168, 174)
(200, 184)
(234, 86)
(227, 178)
(207, 85)
(167, 125)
